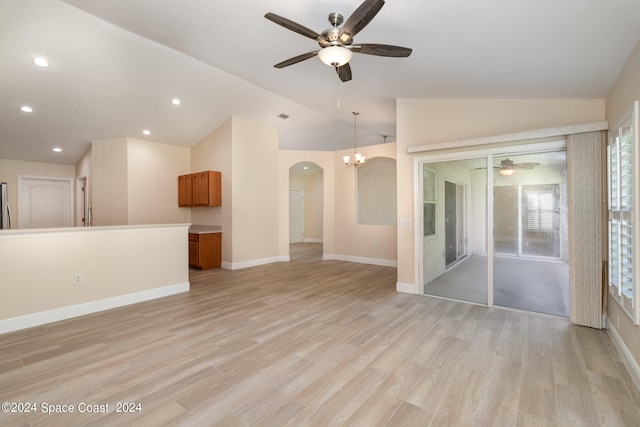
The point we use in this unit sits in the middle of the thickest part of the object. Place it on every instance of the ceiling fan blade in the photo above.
(382, 50)
(296, 59)
(344, 72)
(529, 165)
(295, 27)
(361, 17)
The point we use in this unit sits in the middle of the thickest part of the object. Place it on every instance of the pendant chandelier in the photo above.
(358, 159)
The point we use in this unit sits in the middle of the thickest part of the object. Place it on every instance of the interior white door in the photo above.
(296, 216)
(45, 202)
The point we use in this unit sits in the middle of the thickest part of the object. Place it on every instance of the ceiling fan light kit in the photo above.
(507, 172)
(335, 56)
(336, 44)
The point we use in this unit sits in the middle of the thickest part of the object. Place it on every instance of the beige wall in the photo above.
(619, 102)
(109, 183)
(626, 89)
(11, 169)
(214, 153)
(438, 120)
(152, 187)
(246, 153)
(375, 244)
(254, 191)
(136, 182)
(113, 262)
(313, 207)
(376, 191)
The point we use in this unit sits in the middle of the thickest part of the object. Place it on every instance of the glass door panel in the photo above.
(530, 232)
(454, 241)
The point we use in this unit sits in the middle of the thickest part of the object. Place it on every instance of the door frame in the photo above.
(487, 153)
(82, 202)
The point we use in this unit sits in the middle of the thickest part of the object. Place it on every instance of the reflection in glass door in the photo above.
(454, 241)
(526, 209)
(530, 266)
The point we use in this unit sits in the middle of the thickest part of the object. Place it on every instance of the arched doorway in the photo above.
(306, 189)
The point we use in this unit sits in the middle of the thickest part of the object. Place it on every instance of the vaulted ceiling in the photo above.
(116, 65)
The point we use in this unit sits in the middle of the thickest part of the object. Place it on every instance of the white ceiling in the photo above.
(117, 64)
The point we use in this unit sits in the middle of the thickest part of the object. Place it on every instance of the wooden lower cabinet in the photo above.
(205, 250)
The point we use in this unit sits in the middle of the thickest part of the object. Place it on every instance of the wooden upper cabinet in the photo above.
(200, 189)
(185, 191)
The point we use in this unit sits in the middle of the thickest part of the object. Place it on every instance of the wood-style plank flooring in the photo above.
(315, 343)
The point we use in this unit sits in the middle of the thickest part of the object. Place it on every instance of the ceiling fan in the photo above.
(508, 167)
(336, 44)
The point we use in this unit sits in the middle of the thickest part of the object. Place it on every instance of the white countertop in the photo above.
(18, 232)
(205, 229)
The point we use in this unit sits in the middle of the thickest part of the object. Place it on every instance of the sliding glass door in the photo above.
(523, 262)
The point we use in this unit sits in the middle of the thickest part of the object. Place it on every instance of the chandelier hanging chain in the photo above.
(355, 135)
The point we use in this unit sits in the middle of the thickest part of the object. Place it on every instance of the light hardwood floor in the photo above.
(316, 343)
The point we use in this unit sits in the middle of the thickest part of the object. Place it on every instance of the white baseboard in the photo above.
(63, 313)
(255, 262)
(406, 288)
(311, 240)
(365, 260)
(625, 354)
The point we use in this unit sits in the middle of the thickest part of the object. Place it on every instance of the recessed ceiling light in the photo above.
(57, 149)
(175, 101)
(26, 109)
(41, 61)
(146, 132)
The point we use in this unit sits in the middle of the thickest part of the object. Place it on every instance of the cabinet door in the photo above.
(185, 190)
(200, 183)
(215, 188)
(194, 252)
(207, 188)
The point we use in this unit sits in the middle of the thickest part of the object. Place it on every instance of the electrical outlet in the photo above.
(77, 279)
